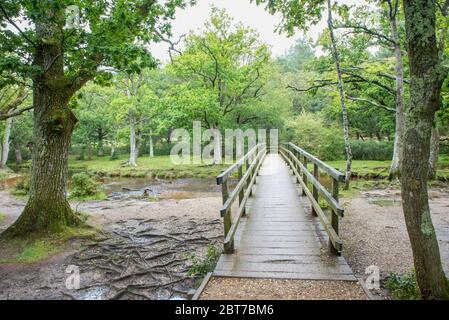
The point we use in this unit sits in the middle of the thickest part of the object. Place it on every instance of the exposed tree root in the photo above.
(137, 262)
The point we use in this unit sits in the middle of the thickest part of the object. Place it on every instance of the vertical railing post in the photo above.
(242, 192)
(334, 216)
(304, 176)
(316, 175)
(227, 219)
(247, 164)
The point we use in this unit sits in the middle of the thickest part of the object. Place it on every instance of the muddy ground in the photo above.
(144, 252)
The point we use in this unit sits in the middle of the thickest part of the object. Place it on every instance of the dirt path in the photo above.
(144, 254)
(275, 289)
(374, 232)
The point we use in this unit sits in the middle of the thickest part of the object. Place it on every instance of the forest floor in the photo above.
(143, 250)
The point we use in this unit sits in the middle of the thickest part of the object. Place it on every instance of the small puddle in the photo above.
(97, 293)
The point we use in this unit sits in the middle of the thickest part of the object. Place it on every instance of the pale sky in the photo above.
(251, 15)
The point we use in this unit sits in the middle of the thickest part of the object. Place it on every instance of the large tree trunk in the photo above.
(47, 209)
(426, 78)
(336, 55)
(133, 152)
(396, 163)
(5, 143)
(434, 152)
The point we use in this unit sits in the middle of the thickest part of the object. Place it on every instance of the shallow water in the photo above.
(187, 188)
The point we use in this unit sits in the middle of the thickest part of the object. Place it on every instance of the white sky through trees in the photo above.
(251, 15)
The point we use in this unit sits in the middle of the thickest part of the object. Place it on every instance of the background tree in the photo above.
(228, 65)
(60, 61)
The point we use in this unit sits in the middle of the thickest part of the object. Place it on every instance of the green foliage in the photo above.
(403, 287)
(37, 248)
(83, 186)
(203, 265)
(372, 150)
(311, 133)
(22, 188)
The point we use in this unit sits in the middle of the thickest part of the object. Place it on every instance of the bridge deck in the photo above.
(278, 238)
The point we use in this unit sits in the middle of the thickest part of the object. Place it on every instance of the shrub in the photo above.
(83, 186)
(22, 187)
(201, 266)
(403, 287)
(372, 150)
(311, 133)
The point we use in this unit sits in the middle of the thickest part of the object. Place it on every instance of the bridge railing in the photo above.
(247, 168)
(298, 159)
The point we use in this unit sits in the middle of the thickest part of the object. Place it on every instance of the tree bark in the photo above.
(133, 152)
(5, 143)
(341, 92)
(89, 151)
(47, 209)
(218, 158)
(18, 154)
(151, 144)
(434, 152)
(426, 78)
(100, 143)
(396, 163)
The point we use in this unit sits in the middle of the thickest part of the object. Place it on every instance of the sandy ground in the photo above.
(274, 289)
(374, 232)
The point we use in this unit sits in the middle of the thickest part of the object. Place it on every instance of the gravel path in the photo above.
(270, 289)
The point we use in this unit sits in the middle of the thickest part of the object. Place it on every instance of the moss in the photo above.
(37, 247)
(2, 217)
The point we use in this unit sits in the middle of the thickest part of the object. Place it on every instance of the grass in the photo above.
(97, 196)
(157, 167)
(369, 169)
(37, 248)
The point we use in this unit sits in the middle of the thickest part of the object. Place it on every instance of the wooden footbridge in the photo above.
(279, 220)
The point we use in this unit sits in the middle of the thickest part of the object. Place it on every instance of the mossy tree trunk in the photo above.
(47, 209)
(434, 151)
(426, 78)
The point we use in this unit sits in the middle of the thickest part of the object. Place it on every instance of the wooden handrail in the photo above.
(304, 176)
(228, 172)
(242, 192)
(325, 167)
